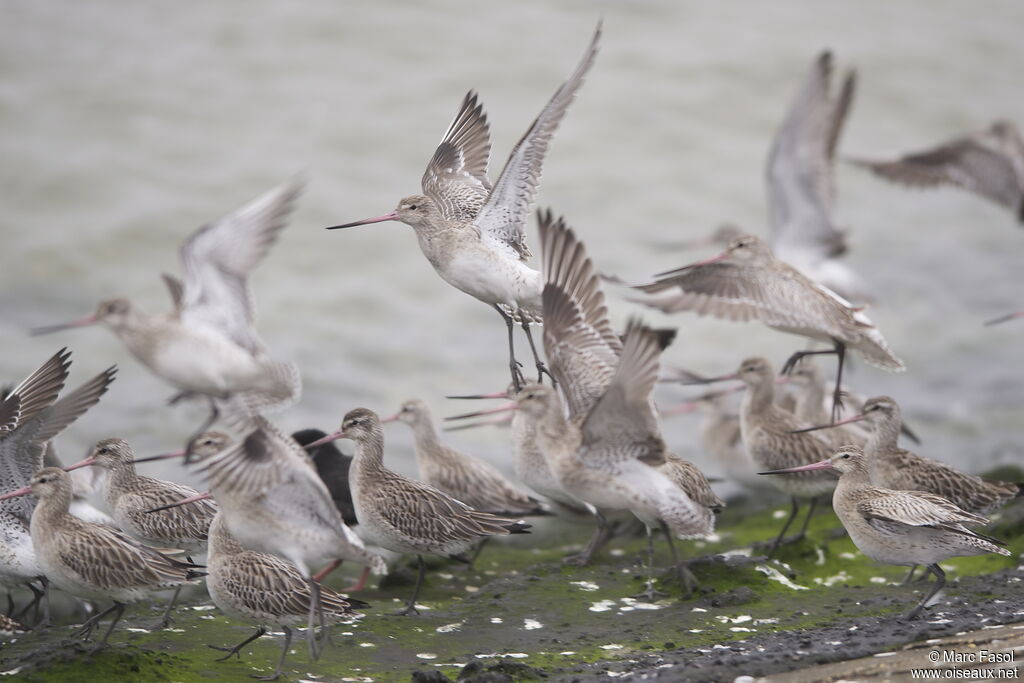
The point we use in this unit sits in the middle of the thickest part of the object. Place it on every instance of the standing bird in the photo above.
(773, 442)
(800, 175)
(900, 527)
(40, 417)
(208, 344)
(893, 467)
(473, 233)
(747, 282)
(609, 453)
(94, 561)
(131, 499)
(470, 480)
(407, 516)
(273, 501)
(808, 377)
(254, 586)
(989, 163)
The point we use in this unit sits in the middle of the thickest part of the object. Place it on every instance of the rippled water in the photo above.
(127, 125)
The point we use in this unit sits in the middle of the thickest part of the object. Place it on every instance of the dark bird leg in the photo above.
(37, 597)
(517, 375)
(110, 629)
(807, 521)
(682, 571)
(165, 620)
(236, 650)
(940, 581)
(785, 527)
(910, 575)
(10, 605)
(90, 623)
(598, 539)
(541, 368)
(839, 349)
(410, 607)
(476, 553)
(280, 662)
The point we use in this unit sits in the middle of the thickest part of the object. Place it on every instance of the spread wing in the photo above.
(219, 257)
(10, 413)
(579, 342)
(21, 451)
(780, 297)
(40, 389)
(973, 163)
(799, 171)
(502, 220)
(623, 424)
(456, 177)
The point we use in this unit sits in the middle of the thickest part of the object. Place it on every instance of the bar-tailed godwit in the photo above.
(94, 561)
(208, 345)
(900, 527)
(474, 233)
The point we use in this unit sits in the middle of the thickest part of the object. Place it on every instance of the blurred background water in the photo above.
(125, 126)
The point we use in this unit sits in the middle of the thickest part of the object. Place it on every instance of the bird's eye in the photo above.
(846, 456)
(412, 207)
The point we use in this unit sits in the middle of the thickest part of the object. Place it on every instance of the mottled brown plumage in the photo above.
(476, 483)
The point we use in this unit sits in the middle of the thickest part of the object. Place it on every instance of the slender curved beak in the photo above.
(855, 418)
(497, 394)
(81, 322)
(392, 216)
(1005, 318)
(393, 418)
(500, 420)
(327, 439)
(91, 460)
(24, 491)
(162, 456)
(823, 465)
(721, 378)
(500, 409)
(679, 271)
(185, 501)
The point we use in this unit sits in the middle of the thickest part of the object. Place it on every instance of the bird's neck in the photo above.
(220, 538)
(758, 397)
(369, 454)
(884, 437)
(52, 509)
(426, 436)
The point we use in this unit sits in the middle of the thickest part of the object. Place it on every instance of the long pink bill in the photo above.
(24, 491)
(491, 411)
(191, 499)
(473, 397)
(81, 322)
(81, 463)
(393, 418)
(162, 456)
(392, 216)
(326, 439)
(823, 465)
(491, 421)
(855, 418)
(679, 271)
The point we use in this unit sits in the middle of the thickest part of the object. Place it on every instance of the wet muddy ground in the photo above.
(521, 615)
